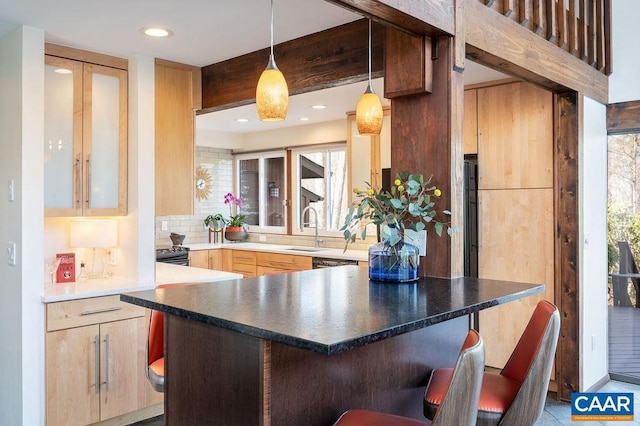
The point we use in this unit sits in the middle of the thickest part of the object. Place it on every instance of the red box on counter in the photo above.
(66, 272)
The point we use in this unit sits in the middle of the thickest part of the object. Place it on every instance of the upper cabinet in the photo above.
(85, 144)
(178, 95)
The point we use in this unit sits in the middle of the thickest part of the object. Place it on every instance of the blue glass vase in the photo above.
(394, 263)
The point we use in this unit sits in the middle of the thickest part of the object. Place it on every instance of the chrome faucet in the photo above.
(302, 224)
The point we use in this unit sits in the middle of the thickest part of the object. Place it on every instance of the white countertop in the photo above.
(165, 274)
(360, 255)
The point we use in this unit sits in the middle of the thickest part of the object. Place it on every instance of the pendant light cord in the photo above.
(369, 51)
(271, 28)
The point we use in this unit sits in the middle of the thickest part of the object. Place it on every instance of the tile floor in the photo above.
(555, 413)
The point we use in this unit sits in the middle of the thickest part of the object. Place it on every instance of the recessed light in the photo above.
(156, 32)
(304, 118)
(63, 71)
(318, 106)
(242, 120)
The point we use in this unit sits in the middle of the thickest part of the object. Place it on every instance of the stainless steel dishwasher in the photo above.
(324, 262)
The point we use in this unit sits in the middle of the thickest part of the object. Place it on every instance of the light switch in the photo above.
(11, 189)
(11, 253)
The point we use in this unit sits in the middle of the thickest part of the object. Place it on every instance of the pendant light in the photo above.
(272, 93)
(369, 109)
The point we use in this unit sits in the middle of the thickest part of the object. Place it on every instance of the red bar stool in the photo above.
(155, 345)
(517, 395)
(460, 403)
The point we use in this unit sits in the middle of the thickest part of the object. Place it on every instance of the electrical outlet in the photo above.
(262, 238)
(418, 239)
(113, 257)
(164, 225)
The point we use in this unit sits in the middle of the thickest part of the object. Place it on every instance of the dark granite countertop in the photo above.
(329, 310)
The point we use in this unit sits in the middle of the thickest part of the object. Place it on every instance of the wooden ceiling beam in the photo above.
(329, 58)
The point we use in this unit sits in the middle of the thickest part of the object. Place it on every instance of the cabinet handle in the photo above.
(96, 343)
(88, 183)
(106, 355)
(100, 311)
(281, 262)
(77, 175)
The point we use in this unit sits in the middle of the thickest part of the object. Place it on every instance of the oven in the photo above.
(323, 262)
(176, 255)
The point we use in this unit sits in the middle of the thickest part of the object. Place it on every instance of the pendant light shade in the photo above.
(369, 110)
(272, 92)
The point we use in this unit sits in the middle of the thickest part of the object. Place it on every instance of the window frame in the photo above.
(295, 187)
(262, 188)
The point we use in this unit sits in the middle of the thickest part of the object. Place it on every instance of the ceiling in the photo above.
(204, 32)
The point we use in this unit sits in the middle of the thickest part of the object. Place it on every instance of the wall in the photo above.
(328, 131)
(593, 250)
(21, 312)
(623, 82)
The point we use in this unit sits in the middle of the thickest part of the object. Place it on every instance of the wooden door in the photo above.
(121, 367)
(72, 372)
(516, 243)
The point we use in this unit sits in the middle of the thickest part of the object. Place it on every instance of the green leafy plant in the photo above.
(219, 221)
(409, 205)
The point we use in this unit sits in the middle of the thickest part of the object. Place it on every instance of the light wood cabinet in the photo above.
(199, 258)
(515, 128)
(95, 357)
(207, 259)
(515, 209)
(243, 262)
(175, 105)
(367, 155)
(470, 140)
(273, 262)
(85, 144)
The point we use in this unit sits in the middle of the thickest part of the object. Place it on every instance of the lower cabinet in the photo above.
(273, 262)
(207, 259)
(95, 361)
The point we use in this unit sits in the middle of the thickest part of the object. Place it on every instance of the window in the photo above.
(320, 176)
(261, 186)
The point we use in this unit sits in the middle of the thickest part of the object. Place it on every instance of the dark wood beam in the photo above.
(567, 125)
(432, 18)
(329, 58)
(510, 48)
(623, 117)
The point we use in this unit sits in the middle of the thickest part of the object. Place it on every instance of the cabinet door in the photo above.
(470, 122)
(104, 141)
(516, 244)
(122, 367)
(515, 145)
(72, 376)
(62, 137)
(215, 260)
(175, 147)
(199, 258)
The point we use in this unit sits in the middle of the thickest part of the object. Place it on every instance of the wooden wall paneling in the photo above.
(175, 145)
(516, 236)
(324, 59)
(583, 29)
(470, 121)
(415, 76)
(499, 43)
(623, 117)
(567, 125)
(425, 125)
(515, 127)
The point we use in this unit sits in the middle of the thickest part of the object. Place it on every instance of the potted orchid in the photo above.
(236, 229)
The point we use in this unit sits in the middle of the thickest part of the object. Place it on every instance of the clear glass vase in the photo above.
(394, 263)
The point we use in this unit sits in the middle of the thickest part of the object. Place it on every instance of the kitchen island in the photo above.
(303, 347)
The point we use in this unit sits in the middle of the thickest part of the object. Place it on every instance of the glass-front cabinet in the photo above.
(85, 144)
